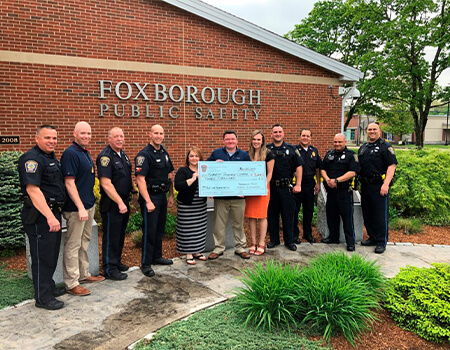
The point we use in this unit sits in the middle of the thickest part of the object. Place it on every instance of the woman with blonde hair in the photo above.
(256, 206)
(191, 210)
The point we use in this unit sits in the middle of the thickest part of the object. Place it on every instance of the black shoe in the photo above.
(380, 249)
(162, 261)
(271, 245)
(328, 240)
(122, 267)
(51, 305)
(297, 240)
(57, 292)
(116, 276)
(368, 242)
(147, 270)
(291, 246)
(350, 247)
(310, 239)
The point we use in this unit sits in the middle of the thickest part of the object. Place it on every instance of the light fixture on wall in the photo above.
(345, 93)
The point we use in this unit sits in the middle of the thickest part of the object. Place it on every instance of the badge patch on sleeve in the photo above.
(31, 166)
(356, 158)
(140, 160)
(104, 161)
(390, 149)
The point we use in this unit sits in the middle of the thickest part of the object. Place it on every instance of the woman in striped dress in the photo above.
(191, 211)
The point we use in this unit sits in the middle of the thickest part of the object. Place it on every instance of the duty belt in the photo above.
(158, 188)
(282, 182)
(55, 206)
(376, 179)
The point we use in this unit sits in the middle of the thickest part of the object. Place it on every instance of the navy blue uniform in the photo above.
(305, 198)
(340, 199)
(116, 167)
(375, 158)
(281, 197)
(156, 166)
(43, 170)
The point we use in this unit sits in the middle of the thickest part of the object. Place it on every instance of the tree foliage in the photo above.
(388, 41)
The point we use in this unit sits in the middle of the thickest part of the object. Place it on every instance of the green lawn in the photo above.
(220, 328)
(15, 286)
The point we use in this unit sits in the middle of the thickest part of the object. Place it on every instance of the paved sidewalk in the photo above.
(118, 313)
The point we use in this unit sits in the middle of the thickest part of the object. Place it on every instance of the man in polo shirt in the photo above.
(224, 206)
(79, 179)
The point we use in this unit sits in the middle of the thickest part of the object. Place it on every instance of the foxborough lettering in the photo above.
(244, 104)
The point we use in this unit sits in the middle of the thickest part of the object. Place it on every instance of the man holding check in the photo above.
(224, 206)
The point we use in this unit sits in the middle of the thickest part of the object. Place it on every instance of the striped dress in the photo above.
(191, 226)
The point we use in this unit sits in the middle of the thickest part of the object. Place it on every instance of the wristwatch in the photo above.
(336, 180)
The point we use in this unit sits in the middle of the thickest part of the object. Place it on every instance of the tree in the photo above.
(387, 40)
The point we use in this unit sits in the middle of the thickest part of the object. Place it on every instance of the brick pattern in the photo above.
(155, 32)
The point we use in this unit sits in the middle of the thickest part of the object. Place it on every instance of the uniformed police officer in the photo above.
(153, 167)
(339, 167)
(287, 163)
(114, 172)
(378, 164)
(310, 186)
(42, 184)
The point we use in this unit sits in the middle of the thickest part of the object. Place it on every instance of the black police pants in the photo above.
(114, 227)
(375, 208)
(306, 199)
(340, 206)
(281, 202)
(153, 228)
(44, 251)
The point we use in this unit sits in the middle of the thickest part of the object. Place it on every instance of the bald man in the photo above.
(79, 179)
(378, 164)
(114, 173)
(338, 168)
(152, 169)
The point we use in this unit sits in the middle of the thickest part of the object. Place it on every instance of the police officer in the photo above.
(42, 184)
(310, 186)
(114, 172)
(153, 167)
(287, 163)
(338, 168)
(378, 164)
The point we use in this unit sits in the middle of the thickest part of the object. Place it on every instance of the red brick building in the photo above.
(186, 65)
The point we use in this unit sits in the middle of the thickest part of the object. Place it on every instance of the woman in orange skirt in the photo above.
(256, 206)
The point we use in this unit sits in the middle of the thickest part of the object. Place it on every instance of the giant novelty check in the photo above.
(222, 179)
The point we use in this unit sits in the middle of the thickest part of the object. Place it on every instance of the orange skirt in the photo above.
(256, 206)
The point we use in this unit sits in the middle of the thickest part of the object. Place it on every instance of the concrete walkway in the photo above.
(117, 314)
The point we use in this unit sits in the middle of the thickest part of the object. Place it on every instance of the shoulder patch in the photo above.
(104, 161)
(356, 158)
(31, 166)
(391, 149)
(140, 160)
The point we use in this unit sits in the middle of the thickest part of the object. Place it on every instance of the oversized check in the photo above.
(222, 179)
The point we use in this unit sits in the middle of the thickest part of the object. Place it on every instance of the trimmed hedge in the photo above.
(12, 234)
(419, 301)
(422, 185)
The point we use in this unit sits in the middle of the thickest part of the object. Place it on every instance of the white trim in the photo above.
(213, 14)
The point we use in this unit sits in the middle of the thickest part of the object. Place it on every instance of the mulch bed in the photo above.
(386, 335)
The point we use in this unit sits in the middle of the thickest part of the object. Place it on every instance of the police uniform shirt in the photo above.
(76, 162)
(154, 164)
(43, 170)
(376, 157)
(338, 163)
(116, 167)
(312, 162)
(286, 161)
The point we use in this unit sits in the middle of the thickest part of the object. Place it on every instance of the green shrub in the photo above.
(171, 225)
(134, 222)
(136, 238)
(422, 185)
(314, 219)
(12, 234)
(336, 293)
(419, 300)
(409, 226)
(268, 297)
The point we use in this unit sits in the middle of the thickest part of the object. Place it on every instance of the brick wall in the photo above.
(151, 32)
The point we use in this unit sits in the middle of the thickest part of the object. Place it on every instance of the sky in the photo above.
(280, 16)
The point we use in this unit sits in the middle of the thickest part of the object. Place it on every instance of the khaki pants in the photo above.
(222, 209)
(76, 242)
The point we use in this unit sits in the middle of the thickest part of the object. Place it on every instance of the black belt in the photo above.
(158, 188)
(282, 182)
(376, 179)
(55, 206)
